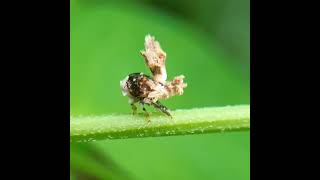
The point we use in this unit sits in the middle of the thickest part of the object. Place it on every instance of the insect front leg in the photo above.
(134, 108)
(132, 102)
(147, 114)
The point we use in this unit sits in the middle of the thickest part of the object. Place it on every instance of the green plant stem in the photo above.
(184, 122)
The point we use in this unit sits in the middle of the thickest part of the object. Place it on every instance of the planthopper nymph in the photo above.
(148, 90)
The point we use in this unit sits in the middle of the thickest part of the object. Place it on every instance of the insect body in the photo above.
(143, 89)
(149, 90)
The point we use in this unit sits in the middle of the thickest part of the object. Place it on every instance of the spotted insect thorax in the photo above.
(137, 84)
(149, 90)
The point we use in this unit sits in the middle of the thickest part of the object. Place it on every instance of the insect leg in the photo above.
(147, 114)
(134, 109)
(162, 108)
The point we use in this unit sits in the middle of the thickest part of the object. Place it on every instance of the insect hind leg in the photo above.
(162, 108)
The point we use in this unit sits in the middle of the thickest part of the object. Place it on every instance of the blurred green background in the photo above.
(207, 41)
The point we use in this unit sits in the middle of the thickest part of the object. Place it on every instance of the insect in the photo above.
(147, 90)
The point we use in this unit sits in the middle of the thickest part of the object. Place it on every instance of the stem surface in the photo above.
(184, 122)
